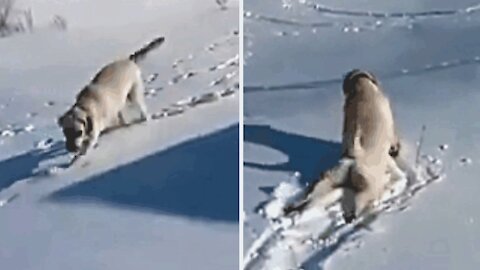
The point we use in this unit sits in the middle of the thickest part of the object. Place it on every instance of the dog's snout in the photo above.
(71, 147)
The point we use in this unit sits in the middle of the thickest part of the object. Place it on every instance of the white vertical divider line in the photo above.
(240, 112)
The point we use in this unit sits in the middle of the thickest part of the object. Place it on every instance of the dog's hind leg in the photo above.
(313, 197)
(136, 96)
(363, 203)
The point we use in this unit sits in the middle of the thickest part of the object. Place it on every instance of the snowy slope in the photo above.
(162, 195)
(426, 55)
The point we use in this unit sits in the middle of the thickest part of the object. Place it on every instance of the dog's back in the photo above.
(368, 119)
(368, 136)
(117, 75)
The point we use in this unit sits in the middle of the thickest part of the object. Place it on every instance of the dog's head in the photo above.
(76, 124)
(353, 76)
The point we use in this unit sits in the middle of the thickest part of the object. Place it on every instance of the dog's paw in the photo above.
(349, 217)
(84, 149)
(145, 118)
(394, 150)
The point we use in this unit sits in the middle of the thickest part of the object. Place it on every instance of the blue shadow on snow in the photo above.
(23, 166)
(307, 155)
(197, 179)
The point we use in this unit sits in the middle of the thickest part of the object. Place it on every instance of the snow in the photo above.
(157, 195)
(427, 62)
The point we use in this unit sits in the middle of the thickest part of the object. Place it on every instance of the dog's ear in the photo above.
(373, 78)
(89, 125)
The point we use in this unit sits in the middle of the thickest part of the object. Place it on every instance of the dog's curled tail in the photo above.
(142, 53)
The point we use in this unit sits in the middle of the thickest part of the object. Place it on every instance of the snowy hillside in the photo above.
(426, 55)
(162, 195)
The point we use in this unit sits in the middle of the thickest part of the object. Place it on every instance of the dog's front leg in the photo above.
(91, 142)
(87, 145)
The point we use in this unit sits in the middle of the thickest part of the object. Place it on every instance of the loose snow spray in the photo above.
(306, 238)
(287, 239)
(284, 194)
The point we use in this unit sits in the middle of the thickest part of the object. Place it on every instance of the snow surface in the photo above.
(162, 195)
(426, 55)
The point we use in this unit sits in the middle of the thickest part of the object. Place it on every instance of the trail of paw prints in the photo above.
(291, 27)
(184, 105)
(232, 62)
(224, 78)
(286, 27)
(230, 39)
(323, 9)
(184, 73)
(184, 76)
(10, 132)
(151, 91)
(438, 66)
(370, 20)
(14, 130)
(318, 84)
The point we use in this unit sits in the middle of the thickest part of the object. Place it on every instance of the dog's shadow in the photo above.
(24, 166)
(307, 155)
(197, 179)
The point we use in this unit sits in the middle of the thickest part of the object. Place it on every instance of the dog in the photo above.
(100, 105)
(370, 145)
(369, 137)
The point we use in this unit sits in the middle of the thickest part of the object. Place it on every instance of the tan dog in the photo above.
(369, 145)
(369, 137)
(101, 103)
